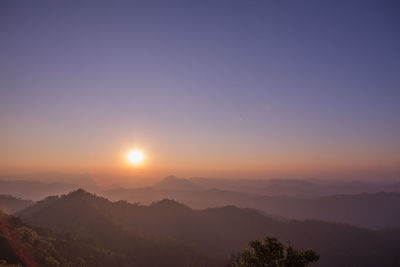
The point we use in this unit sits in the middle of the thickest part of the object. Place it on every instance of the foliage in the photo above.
(3, 263)
(167, 233)
(21, 244)
(271, 253)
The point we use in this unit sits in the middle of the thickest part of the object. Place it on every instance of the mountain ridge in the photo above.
(370, 210)
(215, 232)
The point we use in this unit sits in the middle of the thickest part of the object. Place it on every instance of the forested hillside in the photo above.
(214, 232)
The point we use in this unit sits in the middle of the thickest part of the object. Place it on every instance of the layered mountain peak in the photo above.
(175, 183)
(169, 204)
(10, 204)
(80, 193)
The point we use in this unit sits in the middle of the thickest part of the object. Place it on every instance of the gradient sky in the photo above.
(217, 88)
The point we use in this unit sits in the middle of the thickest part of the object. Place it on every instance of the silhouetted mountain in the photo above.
(287, 187)
(215, 232)
(376, 210)
(22, 245)
(198, 199)
(27, 246)
(11, 204)
(175, 183)
(97, 219)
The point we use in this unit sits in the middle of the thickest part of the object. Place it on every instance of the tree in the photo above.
(271, 253)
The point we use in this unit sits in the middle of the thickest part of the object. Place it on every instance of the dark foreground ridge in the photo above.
(170, 233)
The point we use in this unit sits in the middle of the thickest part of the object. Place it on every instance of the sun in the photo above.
(135, 157)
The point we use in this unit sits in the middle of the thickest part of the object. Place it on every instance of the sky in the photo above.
(203, 88)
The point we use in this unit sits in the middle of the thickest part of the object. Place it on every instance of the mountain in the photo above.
(34, 190)
(370, 210)
(214, 232)
(197, 199)
(84, 180)
(376, 211)
(11, 204)
(294, 187)
(24, 245)
(93, 218)
(175, 183)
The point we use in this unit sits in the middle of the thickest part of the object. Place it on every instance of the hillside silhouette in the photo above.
(10, 204)
(213, 232)
(370, 210)
(281, 187)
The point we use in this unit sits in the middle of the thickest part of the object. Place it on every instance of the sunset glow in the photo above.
(199, 133)
(135, 157)
(273, 98)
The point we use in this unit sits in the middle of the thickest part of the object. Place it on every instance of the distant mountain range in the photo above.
(372, 210)
(9, 204)
(123, 228)
(34, 190)
(278, 187)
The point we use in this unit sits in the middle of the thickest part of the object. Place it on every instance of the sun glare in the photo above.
(135, 157)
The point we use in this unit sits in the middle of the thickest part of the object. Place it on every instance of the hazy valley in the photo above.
(215, 224)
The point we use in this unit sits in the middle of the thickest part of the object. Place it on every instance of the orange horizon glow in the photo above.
(186, 158)
(135, 157)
